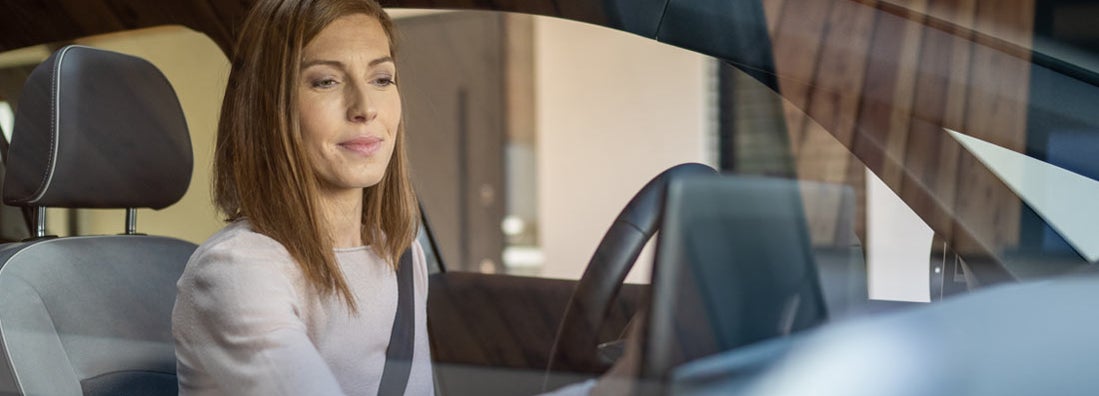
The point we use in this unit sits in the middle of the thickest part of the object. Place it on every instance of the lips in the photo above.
(364, 145)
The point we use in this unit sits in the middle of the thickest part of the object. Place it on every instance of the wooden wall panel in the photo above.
(907, 37)
(939, 98)
(804, 21)
(961, 12)
(838, 77)
(996, 107)
(882, 78)
(841, 69)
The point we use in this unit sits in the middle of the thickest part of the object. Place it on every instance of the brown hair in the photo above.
(261, 171)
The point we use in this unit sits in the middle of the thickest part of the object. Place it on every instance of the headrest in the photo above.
(97, 129)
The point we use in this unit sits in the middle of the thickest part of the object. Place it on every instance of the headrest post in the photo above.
(39, 222)
(131, 221)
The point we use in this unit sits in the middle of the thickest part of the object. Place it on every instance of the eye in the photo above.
(325, 83)
(384, 81)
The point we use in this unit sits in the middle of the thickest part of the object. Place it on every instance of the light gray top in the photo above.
(246, 323)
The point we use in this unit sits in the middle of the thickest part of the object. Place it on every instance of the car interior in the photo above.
(743, 297)
(19, 229)
(716, 283)
(55, 114)
(86, 314)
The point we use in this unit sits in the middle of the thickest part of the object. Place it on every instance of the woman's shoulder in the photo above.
(238, 237)
(238, 253)
(239, 281)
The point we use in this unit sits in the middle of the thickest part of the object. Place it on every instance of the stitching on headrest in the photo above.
(89, 64)
(55, 126)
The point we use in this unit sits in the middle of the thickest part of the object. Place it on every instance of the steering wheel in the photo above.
(575, 347)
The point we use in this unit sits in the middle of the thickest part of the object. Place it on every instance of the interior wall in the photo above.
(606, 123)
(197, 70)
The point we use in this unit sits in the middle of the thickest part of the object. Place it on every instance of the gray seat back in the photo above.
(830, 217)
(733, 267)
(13, 225)
(91, 315)
(82, 315)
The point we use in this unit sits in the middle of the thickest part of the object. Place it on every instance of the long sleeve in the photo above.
(239, 328)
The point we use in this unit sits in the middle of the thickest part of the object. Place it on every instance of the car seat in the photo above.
(14, 225)
(91, 315)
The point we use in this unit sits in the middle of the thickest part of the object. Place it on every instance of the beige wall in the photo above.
(197, 70)
(897, 244)
(613, 110)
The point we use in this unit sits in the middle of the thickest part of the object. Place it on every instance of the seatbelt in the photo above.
(398, 356)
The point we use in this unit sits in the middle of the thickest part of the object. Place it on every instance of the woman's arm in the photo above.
(238, 327)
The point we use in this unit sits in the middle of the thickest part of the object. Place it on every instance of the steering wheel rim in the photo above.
(575, 346)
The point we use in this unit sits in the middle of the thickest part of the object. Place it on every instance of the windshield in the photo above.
(935, 147)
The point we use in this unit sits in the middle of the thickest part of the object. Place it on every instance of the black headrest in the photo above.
(97, 129)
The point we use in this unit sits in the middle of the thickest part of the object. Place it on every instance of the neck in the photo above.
(341, 211)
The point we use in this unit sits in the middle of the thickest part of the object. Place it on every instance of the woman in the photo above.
(297, 294)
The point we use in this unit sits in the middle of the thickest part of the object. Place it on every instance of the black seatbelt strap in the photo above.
(398, 356)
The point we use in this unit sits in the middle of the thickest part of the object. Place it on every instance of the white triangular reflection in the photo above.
(1066, 200)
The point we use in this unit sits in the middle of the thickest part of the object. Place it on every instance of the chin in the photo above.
(365, 177)
(370, 181)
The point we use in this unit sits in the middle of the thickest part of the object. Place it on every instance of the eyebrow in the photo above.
(338, 64)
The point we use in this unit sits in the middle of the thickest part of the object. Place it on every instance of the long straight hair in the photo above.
(261, 171)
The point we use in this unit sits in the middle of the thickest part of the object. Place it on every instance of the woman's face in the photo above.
(348, 103)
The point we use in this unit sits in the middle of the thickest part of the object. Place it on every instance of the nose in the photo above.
(360, 106)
